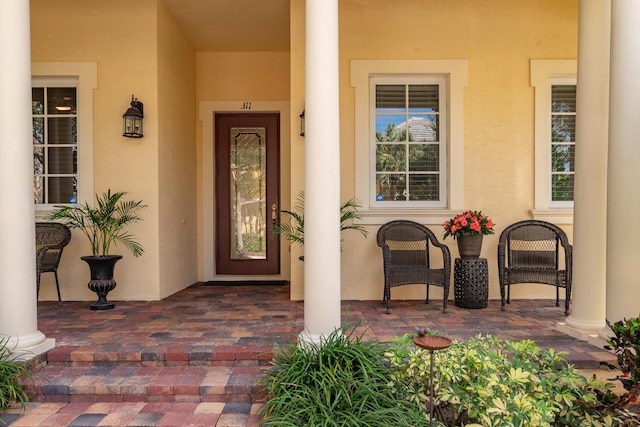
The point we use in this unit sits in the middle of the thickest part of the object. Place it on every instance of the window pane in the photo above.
(38, 130)
(390, 98)
(563, 138)
(423, 128)
(38, 160)
(390, 128)
(563, 158)
(37, 100)
(563, 99)
(62, 130)
(55, 143)
(61, 100)
(61, 160)
(424, 157)
(61, 189)
(423, 98)
(424, 187)
(562, 187)
(391, 158)
(391, 187)
(38, 189)
(408, 139)
(563, 128)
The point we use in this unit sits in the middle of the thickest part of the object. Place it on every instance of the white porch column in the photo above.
(623, 190)
(322, 172)
(590, 190)
(18, 305)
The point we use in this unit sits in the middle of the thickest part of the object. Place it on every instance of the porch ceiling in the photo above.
(233, 25)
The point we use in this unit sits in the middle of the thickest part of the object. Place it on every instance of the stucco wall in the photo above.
(125, 47)
(498, 38)
(176, 157)
(227, 79)
(144, 53)
(233, 76)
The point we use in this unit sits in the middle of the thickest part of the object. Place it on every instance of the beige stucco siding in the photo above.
(143, 52)
(176, 158)
(125, 48)
(498, 39)
(227, 80)
(242, 76)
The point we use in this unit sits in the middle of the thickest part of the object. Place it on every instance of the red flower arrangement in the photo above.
(468, 223)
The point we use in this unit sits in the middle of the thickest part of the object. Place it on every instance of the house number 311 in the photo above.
(246, 105)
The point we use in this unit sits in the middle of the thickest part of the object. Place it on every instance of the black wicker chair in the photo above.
(529, 252)
(51, 238)
(407, 260)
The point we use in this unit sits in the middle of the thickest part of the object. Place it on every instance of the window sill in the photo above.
(42, 211)
(419, 215)
(555, 216)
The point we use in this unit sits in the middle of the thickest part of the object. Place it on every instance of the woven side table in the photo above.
(471, 282)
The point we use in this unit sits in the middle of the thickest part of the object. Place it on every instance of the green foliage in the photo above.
(343, 381)
(294, 230)
(105, 223)
(488, 382)
(12, 374)
(626, 345)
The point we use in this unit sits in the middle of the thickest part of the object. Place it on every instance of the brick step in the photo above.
(204, 414)
(176, 373)
(171, 355)
(121, 382)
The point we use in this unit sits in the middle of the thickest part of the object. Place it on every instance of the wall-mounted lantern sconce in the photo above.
(302, 123)
(132, 120)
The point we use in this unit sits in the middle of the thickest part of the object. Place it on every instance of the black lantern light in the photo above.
(302, 123)
(132, 120)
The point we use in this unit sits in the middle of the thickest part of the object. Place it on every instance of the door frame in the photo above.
(206, 222)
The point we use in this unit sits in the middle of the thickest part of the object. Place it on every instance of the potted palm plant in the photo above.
(294, 229)
(103, 224)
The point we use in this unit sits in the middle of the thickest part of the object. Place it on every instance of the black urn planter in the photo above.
(102, 278)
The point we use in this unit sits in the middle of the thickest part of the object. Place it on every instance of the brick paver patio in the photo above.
(194, 357)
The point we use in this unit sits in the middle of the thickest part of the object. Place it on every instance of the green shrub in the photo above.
(349, 381)
(489, 382)
(626, 345)
(342, 381)
(13, 372)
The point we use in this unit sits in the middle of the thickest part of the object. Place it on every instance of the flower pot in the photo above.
(470, 246)
(102, 278)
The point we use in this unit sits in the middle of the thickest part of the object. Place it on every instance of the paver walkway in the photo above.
(193, 358)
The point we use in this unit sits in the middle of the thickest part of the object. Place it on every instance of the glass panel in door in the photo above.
(248, 193)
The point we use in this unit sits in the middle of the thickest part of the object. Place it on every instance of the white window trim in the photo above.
(544, 73)
(456, 71)
(87, 75)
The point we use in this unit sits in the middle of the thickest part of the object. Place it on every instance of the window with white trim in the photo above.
(409, 124)
(554, 82)
(55, 140)
(410, 144)
(62, 101)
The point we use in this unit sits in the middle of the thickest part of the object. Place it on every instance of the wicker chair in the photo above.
(407, 260)
(51, 238)
(529, 252)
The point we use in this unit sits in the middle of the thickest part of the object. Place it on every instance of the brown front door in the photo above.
(247, 197)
